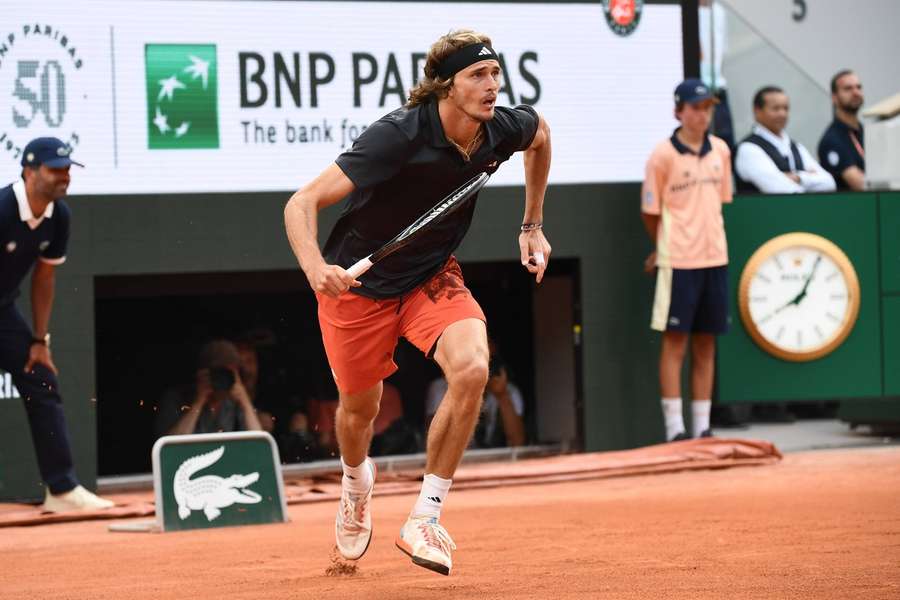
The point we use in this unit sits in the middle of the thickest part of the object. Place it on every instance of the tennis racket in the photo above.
(449, 204)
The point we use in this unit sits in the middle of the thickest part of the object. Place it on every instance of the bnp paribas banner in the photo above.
(168, 97)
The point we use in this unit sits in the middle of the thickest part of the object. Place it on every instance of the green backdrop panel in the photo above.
(890, 242)
(746, 372)
(892, 346)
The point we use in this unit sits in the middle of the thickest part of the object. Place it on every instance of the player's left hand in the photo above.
(534, 252)
(40, 354)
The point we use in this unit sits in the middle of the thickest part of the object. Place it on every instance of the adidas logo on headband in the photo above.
(463, 57)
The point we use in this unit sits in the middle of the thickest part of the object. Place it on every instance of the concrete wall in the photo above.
(834, 34)
(768, 46)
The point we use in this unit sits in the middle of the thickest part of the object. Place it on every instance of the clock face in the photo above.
(799, 296)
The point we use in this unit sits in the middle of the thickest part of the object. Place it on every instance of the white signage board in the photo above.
(196, 96)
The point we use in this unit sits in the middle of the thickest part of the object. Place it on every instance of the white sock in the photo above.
(357, 479)
(700, 412)
(674, 419)
(431, 498)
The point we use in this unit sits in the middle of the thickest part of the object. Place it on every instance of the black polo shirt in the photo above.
(25, 238)
(401, 166)
(837, 151)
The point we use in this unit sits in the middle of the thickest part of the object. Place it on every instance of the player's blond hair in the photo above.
(432, 85)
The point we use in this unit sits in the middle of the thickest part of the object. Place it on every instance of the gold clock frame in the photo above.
(823, 245)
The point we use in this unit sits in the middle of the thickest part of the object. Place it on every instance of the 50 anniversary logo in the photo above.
(39, 69)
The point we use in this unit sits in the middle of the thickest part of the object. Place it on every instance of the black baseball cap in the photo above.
(691, 91)
(48, 151)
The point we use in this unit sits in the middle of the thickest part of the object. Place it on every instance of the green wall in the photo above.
(153, 234)
(747, 373)
(890, 286)
(866, 365)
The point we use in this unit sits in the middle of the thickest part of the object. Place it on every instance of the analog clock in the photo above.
(799, 296)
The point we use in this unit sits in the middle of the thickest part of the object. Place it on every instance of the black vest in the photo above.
(781, 161)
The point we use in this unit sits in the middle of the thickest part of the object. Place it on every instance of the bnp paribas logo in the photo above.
(181, 96)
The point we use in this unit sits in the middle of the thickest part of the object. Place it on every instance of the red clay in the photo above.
(817, 525)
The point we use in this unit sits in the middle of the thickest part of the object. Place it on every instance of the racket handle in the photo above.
(360, 267)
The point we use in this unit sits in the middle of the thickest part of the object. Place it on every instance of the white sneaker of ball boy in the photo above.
(78, 498)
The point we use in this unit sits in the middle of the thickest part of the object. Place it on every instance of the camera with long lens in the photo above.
(221, 378)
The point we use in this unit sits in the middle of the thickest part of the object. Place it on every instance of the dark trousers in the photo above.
(43, 404)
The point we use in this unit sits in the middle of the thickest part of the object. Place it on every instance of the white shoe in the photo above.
(427, 543)
(353, 525)
(75, 499)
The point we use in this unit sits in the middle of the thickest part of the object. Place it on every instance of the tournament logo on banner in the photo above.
(182, 97)
(40, 68)
(623, 16)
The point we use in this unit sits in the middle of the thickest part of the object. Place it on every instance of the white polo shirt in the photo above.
(752, 164)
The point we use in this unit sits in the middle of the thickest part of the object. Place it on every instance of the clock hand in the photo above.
(781, 308)
(802, 294)
(795, 300)
(799, 297)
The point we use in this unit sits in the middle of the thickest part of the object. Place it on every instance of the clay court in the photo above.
(819, 525)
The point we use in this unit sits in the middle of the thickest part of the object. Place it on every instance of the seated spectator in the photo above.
(841, 149)
(768, 160)
(500, 423)
(249, 372)
(390, 409)
(393, 433)
(322, 409)
(298, 443)
(217, 401)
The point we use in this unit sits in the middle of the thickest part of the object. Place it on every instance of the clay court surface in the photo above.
(815, 525)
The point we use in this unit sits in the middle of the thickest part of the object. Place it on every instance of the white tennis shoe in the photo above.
(427, 543)
(353, 525)
(76, 499)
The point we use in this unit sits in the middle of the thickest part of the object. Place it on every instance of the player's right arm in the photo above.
(301, 222)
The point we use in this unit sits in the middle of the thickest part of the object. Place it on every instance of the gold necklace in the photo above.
(470, 147)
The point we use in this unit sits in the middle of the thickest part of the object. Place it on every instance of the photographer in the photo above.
(500, 423)
(218, 400)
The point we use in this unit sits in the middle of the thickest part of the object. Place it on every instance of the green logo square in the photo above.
(217, 480)
(181, 96)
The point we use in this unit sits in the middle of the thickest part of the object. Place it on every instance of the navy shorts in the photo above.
(691, 300)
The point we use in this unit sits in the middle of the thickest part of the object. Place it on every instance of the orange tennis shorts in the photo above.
(360, 333)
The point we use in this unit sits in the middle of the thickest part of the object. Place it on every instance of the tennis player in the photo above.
(401, 166)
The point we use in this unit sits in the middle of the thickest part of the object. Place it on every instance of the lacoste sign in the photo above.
(216, 480)
(210, 493)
